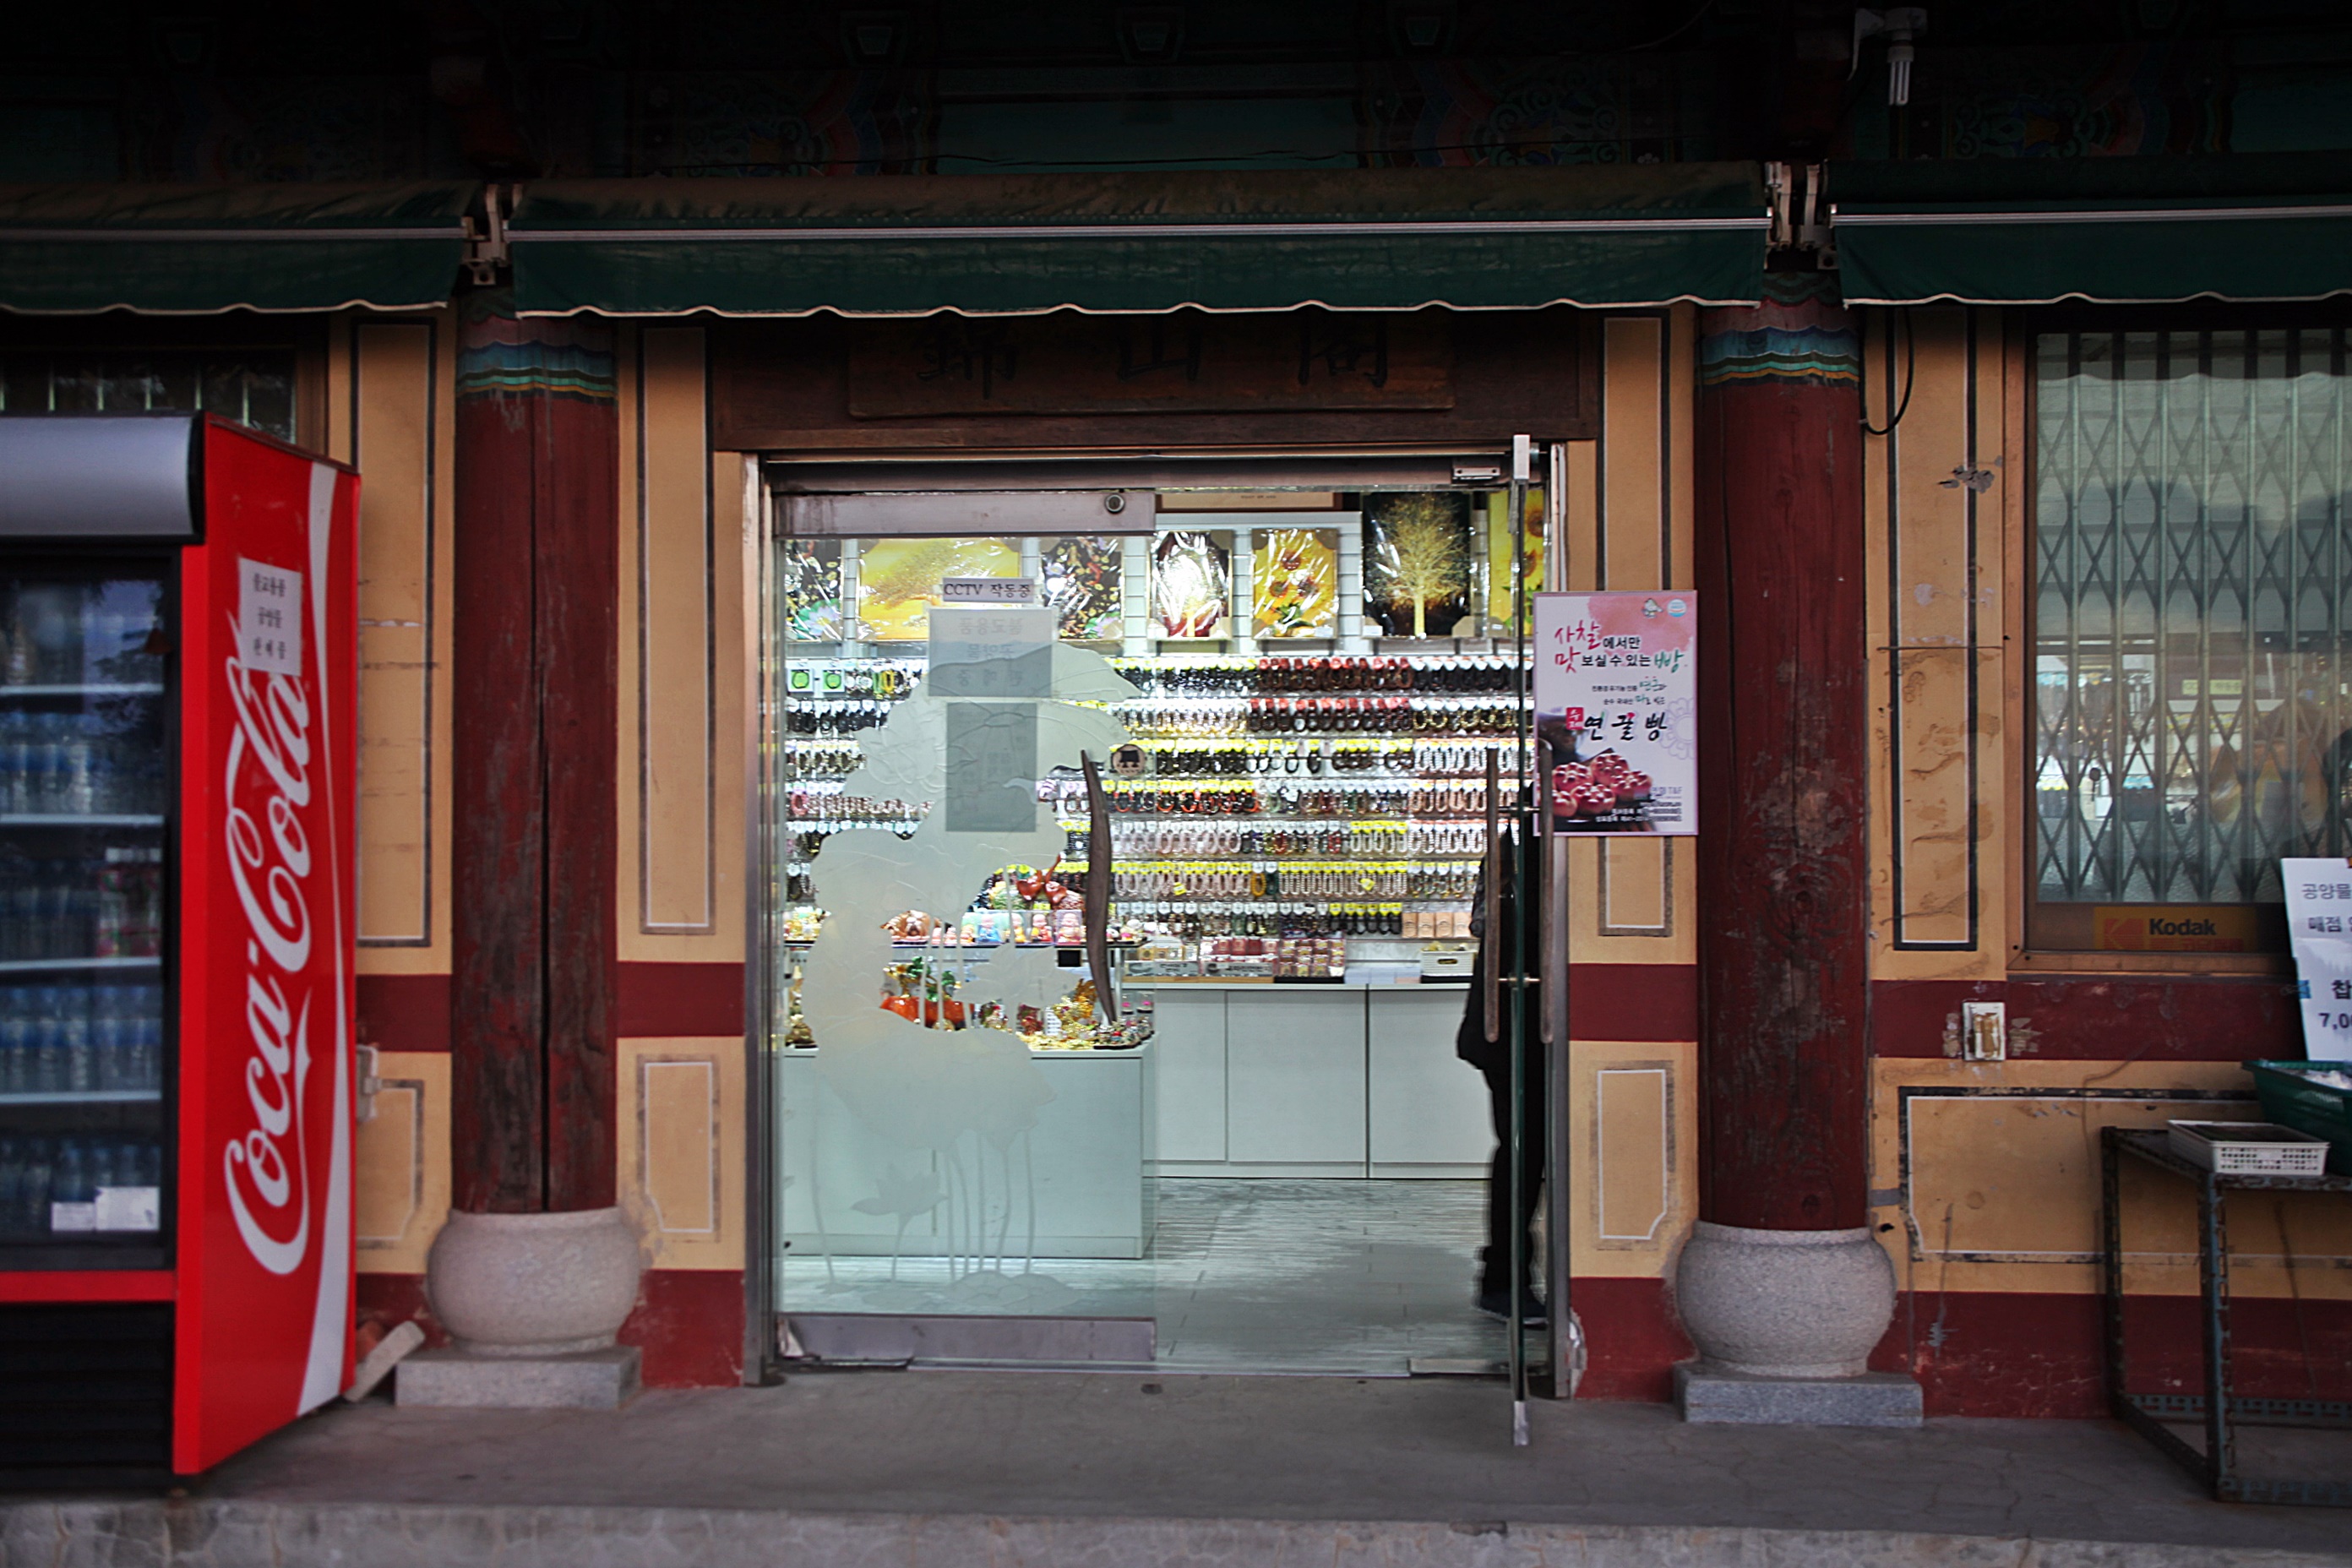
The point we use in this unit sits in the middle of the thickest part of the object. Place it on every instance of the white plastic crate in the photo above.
(2248, 1148)
(1447, 963)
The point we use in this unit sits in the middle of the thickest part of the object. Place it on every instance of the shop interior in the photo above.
(1259, 1152)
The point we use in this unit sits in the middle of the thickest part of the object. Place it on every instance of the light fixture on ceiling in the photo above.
(185, 43)
(873, 37)
(1420, 27)
(1900, 25)
(1151, 34)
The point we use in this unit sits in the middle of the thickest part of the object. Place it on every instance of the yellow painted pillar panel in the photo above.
(1935, 509)
(1628, 522)
(389, 389)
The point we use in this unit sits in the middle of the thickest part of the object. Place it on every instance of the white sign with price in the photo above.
(2319, 922)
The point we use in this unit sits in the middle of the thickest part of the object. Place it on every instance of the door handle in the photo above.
(1491, 943)
(1096, 897)
(1552, 933)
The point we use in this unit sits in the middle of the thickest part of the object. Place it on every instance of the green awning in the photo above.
(196, 249)
(2000, 231)
(1355, 240)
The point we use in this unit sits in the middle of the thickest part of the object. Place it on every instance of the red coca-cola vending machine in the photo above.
(178, 693)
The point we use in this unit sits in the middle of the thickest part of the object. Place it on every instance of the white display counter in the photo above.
(1240, 1079)
(1315, 1080)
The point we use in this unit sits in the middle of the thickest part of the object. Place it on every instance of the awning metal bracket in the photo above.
(1800, 211)
(486, 239)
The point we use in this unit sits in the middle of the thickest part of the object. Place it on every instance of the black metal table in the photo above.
(2146, 1414)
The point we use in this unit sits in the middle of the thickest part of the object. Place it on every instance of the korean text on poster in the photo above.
(2319, 923)
(269, 618)
(1616, 698)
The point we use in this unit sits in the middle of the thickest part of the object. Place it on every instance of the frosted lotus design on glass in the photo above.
(913, 1122)
(905, 1198)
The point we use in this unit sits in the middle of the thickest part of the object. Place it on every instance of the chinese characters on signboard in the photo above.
(2319, 923)
(1616, 699)
(1188, 362)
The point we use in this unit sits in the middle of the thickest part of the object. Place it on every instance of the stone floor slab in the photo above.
(1284, 1460)
(226, 1534)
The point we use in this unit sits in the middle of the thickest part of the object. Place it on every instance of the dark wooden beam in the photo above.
(498, 842)
(1783, 851)
(534, 964)
(577, 596)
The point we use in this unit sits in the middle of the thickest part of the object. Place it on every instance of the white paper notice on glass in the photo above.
(991, 652)
(1616, 698)
(2319, 925)
(268, 618)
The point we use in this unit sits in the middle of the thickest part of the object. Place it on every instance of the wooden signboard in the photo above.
(1189, 362)
(824, 385)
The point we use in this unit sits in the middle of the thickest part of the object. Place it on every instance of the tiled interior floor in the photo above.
(1337, 1277)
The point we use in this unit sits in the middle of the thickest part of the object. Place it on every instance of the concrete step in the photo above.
(224, 1533)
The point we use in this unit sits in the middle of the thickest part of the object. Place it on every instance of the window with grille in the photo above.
(2193, 583)
(252, 387)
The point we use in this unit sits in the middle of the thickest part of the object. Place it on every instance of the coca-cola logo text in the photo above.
(269, 861)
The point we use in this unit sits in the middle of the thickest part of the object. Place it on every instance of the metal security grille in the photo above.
(253, 388)
(2193, 583)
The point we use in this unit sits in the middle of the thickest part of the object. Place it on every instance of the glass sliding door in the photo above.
(1118, 922)
(959, 1102)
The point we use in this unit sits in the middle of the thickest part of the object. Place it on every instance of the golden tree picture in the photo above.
(1417, 559)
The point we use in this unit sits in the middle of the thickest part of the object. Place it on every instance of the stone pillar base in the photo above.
(1705, 1395)
(1784, 1321)
(1784, 1303)
(586, 1380)
(541, 1285)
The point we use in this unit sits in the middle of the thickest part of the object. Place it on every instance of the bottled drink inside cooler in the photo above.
(85, 792)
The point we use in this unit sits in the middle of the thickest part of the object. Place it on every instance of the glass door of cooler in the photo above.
(85, 789)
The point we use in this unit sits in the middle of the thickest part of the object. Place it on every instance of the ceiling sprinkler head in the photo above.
(1900, 24)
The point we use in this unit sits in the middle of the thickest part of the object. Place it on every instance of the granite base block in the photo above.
(1704, 1393)
(585, 1380)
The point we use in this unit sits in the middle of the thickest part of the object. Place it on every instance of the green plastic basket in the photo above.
(2292, 1099)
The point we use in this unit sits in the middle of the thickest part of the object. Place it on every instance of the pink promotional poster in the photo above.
(1616, 700)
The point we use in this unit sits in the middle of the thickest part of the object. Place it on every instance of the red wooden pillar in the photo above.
(1783, 872)
(537, 589)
